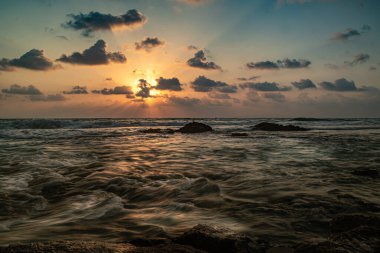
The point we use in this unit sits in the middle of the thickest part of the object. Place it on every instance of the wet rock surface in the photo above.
(239, 134)
(195, 127)
(266, 126)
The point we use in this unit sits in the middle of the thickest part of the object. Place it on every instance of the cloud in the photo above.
(199, 61)
(184, 101)
(332, 66)
(61, 37)
(252, 78)
(47, 98)
(339, 85)
(304, 84)
(149, 43)
(372, 68)
(22, 90)
(192, 47)
(118, 90)
(277, 97)
(219, 95)
(77, 90)
(286, 63)
(172, 84)
(145, 88)
(264, 86)
(358, 59)
(349, 32)
(95, 55)
(204, 84)
(95, 21)
(33, 60)
(282, 2)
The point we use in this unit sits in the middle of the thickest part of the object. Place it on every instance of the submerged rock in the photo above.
(195, 127)
(157, 131)
(366, 173)
(266, 126)
(219, 240)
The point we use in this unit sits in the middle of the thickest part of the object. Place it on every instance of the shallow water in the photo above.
(103, 179)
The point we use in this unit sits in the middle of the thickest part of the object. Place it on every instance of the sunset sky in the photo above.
(189, 58)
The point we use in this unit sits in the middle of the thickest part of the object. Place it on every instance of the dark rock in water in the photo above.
(265, 126)
(195, 127)
(239, 134)
(219, 240)
(157, 131)
(348, 222)
(366, 173)
(97, 247)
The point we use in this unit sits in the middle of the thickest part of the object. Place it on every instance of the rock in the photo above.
(366, 173)
(344, 223)
(219, 240)
(157, 131)
(239, 134)
(195, 127)
(265, 126)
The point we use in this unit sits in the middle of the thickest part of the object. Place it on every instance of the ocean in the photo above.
(103, 179)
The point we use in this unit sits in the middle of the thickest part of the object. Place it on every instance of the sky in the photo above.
(189, 58)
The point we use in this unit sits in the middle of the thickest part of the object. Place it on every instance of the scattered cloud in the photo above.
(33, 60)
(192, 47)
(149, 43)
(77, 90)
(332, 66)
(95, 21)
(172, 84)
(219, 95)
(61, 37)
(199, 61)
(372, 68)
(339, 85)
(349, 33)
(95, 55)
(358, 59)
(194, 2)
(286, 63)
(264, 86)
(204, 84)
(252, 78)
(304, 84)
(22, 90)
(184, 101)
(277, 97)
(118, 90)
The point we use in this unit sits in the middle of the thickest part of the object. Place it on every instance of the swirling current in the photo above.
(103, 179)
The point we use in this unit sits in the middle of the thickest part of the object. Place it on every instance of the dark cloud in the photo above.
(294, 64)
(184, 101)
(264, 86)
(77, 90)
(286, 63)
(94, 21)
(346, 35)
(95, 55)
(149, 43)
(304, 84)
(145, 88)
(204, 84)
(118, 90)
(47, 98)
(219, 95)
(61, 37)
(277, 97)
(252, 78)
(262, 65)
(168, 84)
(199, 61)
(358, 59)
(33, 60)
(339, 85)
(22, 90)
